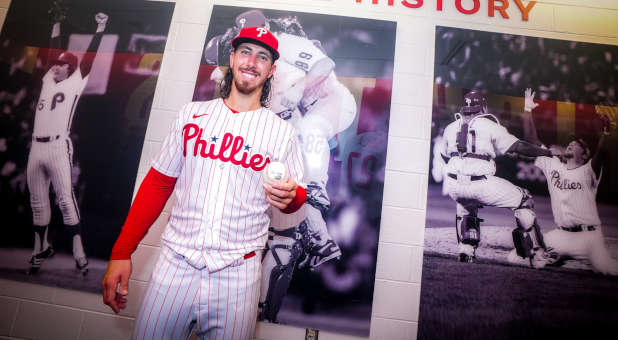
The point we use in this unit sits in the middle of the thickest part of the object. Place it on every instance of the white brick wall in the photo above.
(64, 314)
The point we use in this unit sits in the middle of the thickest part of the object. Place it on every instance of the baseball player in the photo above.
(472, 142)
(208, 273)
(572, 180)
(51, 154)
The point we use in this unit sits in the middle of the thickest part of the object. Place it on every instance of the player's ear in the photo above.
(232, 58)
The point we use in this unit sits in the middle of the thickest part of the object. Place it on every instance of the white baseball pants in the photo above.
(223, 304)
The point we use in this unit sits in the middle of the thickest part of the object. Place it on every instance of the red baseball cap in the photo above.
(258, 35)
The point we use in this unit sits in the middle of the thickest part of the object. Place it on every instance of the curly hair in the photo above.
(226, 88)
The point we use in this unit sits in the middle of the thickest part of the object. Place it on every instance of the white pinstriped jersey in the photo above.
(573, 192)
(57, 102)
(217, 155)
(485, 137)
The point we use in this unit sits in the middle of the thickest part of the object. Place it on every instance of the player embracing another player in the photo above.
(51, 156)
(209, 271)
(471, 143)
(307, 94)
(573, 179)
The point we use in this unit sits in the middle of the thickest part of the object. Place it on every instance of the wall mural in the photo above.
(333, 83)
(76, 88)
(521, 237)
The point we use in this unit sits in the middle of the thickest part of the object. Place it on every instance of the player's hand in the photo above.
(116, 284)
(607, 124)
(529, 103)
(280, 194)
(101, 18)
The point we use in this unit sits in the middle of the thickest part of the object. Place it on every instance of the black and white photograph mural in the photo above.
(521, 237)
(333, 82)
(77, 82)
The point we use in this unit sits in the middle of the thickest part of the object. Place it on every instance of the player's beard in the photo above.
(245, 86)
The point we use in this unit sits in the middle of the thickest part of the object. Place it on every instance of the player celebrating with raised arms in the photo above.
(572, 180)
(208, 273)
(51, 155)
(472, 142)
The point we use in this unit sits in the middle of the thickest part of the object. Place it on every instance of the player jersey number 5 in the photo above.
(57, 104)
(57, 98)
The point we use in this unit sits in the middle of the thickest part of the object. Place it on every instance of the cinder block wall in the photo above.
(42, 312)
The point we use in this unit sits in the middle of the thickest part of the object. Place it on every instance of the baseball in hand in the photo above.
(274, 172)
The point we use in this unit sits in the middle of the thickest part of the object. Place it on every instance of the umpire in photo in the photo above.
(209, 270)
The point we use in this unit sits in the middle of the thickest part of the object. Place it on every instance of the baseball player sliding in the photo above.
(208, 273)
(573, 179)
(51, 155)
(472, 142)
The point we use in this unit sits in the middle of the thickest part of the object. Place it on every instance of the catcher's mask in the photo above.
(473, 102)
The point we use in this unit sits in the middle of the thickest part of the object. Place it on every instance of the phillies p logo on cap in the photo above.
(261, 31)
(258, 35)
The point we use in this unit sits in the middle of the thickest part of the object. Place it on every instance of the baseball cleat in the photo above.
(466, 253)
(37, 260)
(465, 258)
(320, 254)
(82, 265)
(543, 257)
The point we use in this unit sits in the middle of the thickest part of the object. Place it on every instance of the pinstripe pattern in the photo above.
(221, 304)
(220, 211)
(219, 216)
(51, 163)
(57, 103)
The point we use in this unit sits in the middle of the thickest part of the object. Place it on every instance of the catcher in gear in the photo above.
(573, 178)
(472, 142)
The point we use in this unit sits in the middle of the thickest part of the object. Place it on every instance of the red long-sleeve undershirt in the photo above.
(153, 193)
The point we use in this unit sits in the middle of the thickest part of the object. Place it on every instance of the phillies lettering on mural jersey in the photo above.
(564, 184)
(57, 102)
(217, 155)
(572, 191)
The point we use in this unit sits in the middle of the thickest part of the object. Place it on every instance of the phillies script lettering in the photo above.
(229, 142)
(564, 184)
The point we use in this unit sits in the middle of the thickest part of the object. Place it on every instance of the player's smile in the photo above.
(249, 73)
